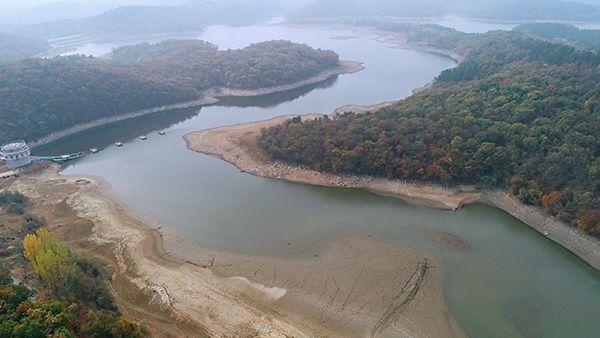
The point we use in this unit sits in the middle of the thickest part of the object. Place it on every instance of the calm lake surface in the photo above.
(511, 283)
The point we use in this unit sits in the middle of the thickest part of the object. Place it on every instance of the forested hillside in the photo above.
(41, 96)
(201, 65)
(518, 114)
(13, 47)
(588, 39)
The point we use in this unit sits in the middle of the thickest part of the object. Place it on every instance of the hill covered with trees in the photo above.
(519, 114)
(41, 96)
(14, 47)
(201, 65)
(588, 39)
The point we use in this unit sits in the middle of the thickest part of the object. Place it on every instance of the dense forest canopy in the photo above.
(511, 10)
(588, 39)
(14, 47)
(41, 96)
(519, 114)
(201, 64)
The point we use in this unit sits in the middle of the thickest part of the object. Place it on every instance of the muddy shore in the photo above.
(177, 288)
(208, 97)
(237, 144)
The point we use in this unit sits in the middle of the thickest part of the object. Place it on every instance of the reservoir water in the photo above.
(512, 282)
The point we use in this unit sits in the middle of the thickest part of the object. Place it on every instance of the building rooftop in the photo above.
(13, 146)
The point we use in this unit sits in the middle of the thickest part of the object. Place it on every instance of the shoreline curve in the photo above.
(209, 97)
(236, 144)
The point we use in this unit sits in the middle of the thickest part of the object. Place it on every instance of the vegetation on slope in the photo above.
(13, 47)
(61, 294)
(77, 303)
(201, 65)
(588, 39)
(518, 114)
(41, 96)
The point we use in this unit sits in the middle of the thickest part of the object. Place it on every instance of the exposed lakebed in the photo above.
(510, 282)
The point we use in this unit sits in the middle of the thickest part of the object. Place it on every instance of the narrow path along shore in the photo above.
(177, 288)
(209, 97)
(237, 144)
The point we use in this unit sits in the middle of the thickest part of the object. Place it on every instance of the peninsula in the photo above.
(71, 94)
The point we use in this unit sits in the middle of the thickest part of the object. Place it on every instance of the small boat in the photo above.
(119, 144)
(162, 132)
(143, 137)
(94, 150)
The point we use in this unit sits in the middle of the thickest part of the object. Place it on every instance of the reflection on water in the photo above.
(512, 282)
(275, 99)
(104, 136)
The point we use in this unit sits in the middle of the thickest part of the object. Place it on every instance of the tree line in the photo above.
(518, 114)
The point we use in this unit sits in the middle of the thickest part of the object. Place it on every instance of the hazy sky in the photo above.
(34, 3)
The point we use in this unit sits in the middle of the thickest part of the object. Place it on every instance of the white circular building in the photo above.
(16, 154)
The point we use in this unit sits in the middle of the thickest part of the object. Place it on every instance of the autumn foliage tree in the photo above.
(48, 257)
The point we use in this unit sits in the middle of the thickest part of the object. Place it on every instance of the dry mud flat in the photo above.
(353, 286)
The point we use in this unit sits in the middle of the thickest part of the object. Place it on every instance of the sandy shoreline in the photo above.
(381, 288)
(209, 97)
(236, 144)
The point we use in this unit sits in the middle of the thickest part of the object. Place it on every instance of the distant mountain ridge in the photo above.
(505, 10)
(132, 20)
